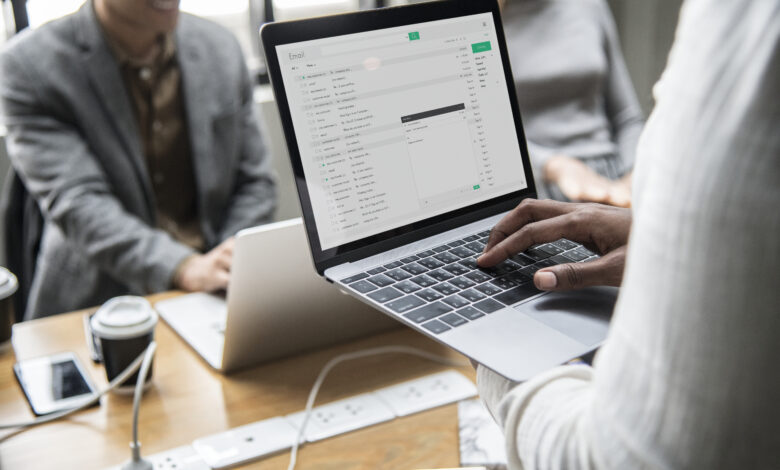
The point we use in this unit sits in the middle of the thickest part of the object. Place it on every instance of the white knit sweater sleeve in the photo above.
(688, 377)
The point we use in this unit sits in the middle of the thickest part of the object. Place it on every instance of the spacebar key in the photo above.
(429, 311)
(517, 294)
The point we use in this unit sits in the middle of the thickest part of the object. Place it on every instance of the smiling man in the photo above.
(131, 124)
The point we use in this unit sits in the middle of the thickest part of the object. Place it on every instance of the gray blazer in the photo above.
(73, 139)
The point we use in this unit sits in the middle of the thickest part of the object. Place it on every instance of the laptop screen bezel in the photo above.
(288, 32)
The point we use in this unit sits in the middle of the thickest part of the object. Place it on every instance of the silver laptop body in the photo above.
(276, 304)
(407, 147)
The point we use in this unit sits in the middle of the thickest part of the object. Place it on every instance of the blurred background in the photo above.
(646, 33)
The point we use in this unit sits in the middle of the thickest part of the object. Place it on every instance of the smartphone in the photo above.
(54, 383)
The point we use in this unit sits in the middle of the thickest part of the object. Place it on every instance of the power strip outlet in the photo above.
(180, 458)
(342, 416)
(427, 392)
(246, 443)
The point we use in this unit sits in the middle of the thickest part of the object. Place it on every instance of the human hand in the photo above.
(207, 272)
(600, 228)
(580, 183)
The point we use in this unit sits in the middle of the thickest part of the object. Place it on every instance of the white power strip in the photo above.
(180, 458)
(270, 436)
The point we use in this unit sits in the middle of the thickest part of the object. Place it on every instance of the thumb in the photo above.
(604, 271)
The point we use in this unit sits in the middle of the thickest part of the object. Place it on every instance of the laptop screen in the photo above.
(401, 124)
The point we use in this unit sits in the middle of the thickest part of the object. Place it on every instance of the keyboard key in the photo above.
(427, 312)
(504, 282)
(426, 253)
(393, 265)
(484, 240)
(404, 304)
(453, 319)
(440, 275)
(385, 295)
(522, 260)
(488, 289)
(519, 278)
(414, 268)
(456, 269)
(456, 301)
(376, 270)
(471, 295)
(551, 249)
(462, 252)
(398, 274)
(354, 278)
(462, 283)
(407, 287)
(446, 257)
(478, 276)
(424, 281)
(575, 255)
(471, 313)
(565, 244)
(488, 305)
(429, 295)
(536, 254)
(560, 259)
(505, 267)
(409, 259)
(484, 233)
(517, 294)
(436, 326)
(476, 247)
(470, 263)
(545, 263)
(381, 280)
(441, 248)
(363, 286)
(431, 263)
(471, 238)
(456, 243)
(445, 288)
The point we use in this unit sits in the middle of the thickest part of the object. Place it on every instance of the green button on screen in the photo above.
(414, 36)
(476, 186)
(480, 47)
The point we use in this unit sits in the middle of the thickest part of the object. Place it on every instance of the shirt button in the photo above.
(157, 125)
(158, 177)
(145, 73)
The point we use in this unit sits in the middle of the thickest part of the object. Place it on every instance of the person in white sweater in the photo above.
(688, 376)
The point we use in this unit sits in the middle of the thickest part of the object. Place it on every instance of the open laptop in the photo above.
(276, 305)
(407, 147)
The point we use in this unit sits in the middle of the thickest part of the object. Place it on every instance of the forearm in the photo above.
(544, 418)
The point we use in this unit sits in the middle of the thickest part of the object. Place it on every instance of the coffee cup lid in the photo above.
(124, 317)
(8, 283)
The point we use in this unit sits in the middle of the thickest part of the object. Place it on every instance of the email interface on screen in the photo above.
(402, 124)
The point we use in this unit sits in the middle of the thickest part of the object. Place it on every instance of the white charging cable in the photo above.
(118, 380)
(348, 357)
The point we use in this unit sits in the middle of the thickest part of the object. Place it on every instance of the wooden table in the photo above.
(188, 400)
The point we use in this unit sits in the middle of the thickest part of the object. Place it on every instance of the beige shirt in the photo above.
(689, 375)
(158, 103)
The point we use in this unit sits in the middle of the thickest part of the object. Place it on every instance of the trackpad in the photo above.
(582, 315)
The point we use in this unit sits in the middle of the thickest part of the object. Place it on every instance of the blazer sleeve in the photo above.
(59, 170)
(253, 200)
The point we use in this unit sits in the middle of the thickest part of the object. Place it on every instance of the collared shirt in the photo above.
(156, 95)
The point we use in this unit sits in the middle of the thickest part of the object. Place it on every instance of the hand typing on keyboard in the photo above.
(598, 227)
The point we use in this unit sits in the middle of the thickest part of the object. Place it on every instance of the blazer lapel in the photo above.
(105, 77)
(200, 109)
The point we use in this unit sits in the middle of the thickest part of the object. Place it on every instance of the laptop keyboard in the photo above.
(443, 288)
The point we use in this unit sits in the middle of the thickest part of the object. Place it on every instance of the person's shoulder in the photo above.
(44, 42)
(212, 35)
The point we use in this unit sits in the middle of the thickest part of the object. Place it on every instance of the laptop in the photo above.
(276, 304)
(407, 146)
